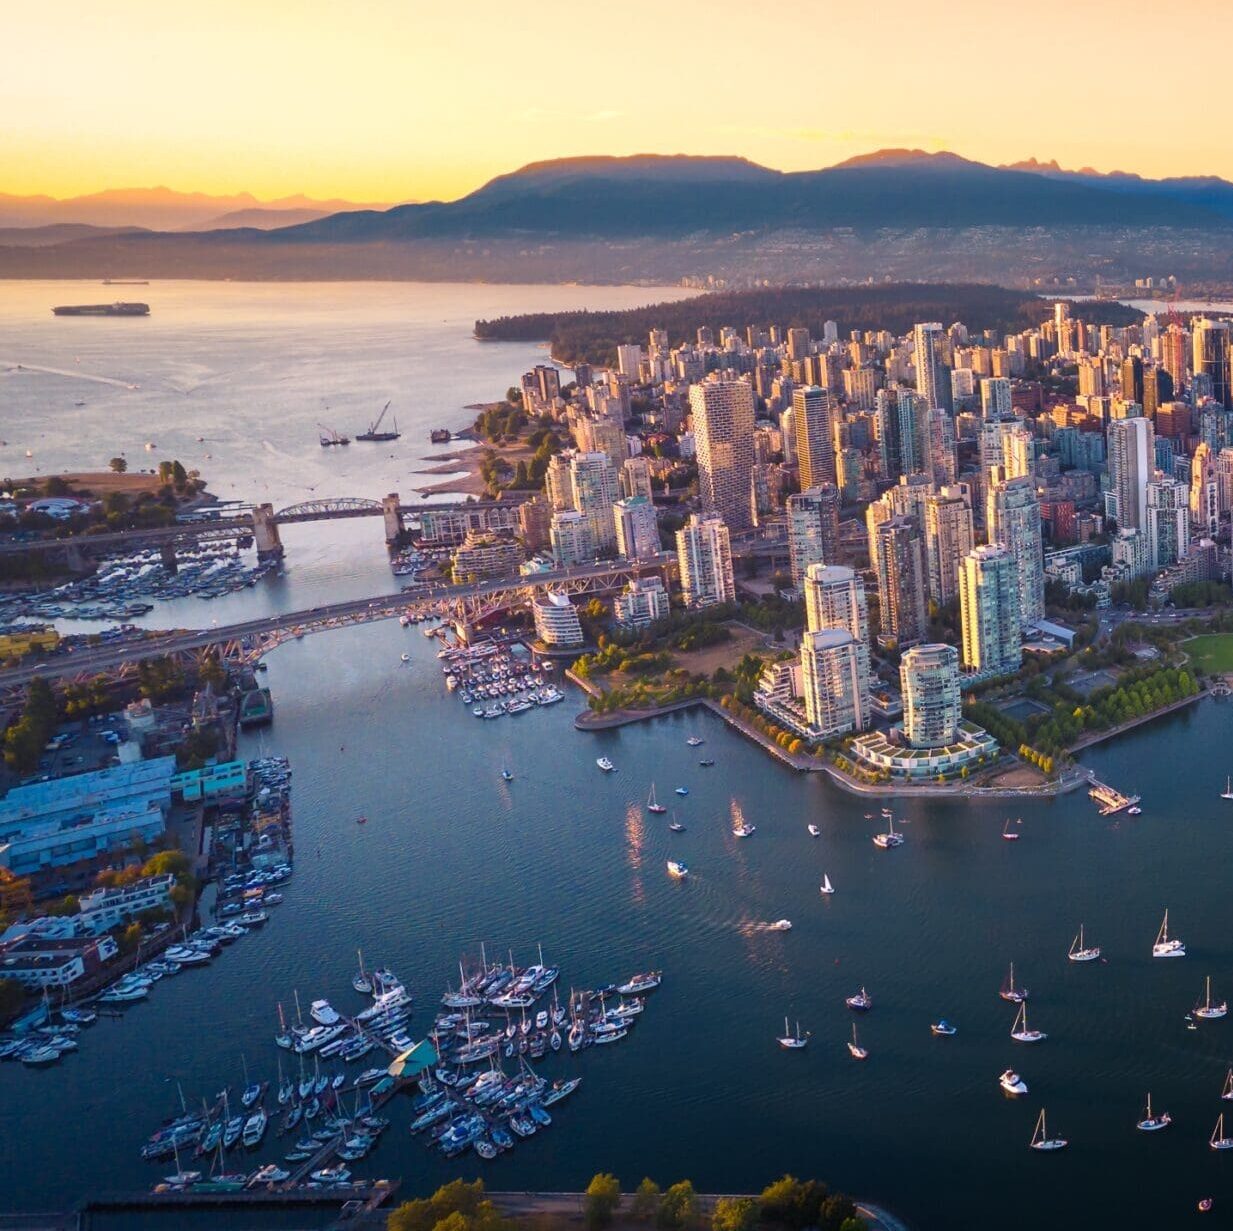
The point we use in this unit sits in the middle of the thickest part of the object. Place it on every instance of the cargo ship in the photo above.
(103, 309)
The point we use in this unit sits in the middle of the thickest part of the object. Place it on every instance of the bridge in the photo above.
(246, 642)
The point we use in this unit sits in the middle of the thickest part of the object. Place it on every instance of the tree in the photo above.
(734, 1214)
(117, 465)
(645, 1202)
(603, 1196)
(678, 1207)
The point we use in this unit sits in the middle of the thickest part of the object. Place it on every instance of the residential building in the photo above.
(932, 704)
(1204, 492)
(900, 567)
(949, 536)
(1209, 342)
(1012, 517)
(1132, 462)
(570, 536)
(835, 598)
(723, 426)
(704, 559)
(483, 556)
(835, 682)
(103, 909)
(813, 413)
(635, 477)
(594, 484)
(1167, 531)
(644, 601)
(637, 528)
(556, 620)
(813, 529)
(39, 962)
(989, 611)
(995, 400)
(932, 370)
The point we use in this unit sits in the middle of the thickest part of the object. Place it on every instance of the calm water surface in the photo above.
(452, 857)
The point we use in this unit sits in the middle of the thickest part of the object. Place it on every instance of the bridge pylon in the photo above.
(393, 518)
(265, 533)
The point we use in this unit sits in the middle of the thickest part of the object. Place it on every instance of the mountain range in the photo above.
(658, 217)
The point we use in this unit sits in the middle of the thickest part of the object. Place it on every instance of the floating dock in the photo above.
(1109, 800)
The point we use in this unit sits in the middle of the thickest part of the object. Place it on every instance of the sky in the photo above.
(395, 100)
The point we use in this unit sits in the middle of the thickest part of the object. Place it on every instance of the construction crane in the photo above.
(331, 436)
(374, 429)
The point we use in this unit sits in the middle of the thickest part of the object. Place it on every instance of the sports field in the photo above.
(1212, 653)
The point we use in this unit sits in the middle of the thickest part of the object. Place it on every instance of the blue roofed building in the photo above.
(52, 824)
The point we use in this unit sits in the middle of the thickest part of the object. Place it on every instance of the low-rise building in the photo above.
(42, 962)
(644, 602)
(104, 909)
(556, 620)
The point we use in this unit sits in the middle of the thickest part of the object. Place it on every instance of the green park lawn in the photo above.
(1212, 653)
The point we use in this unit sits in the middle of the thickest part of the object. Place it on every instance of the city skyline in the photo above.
(280, 99)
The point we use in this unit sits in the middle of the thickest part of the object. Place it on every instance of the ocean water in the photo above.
(451, 857)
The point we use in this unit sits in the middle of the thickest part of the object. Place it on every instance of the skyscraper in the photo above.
(1204, 492)
(1209, 342)
(570, 535)
(932, 372)
(704, 558)
(1012, 517)
(637, 528)
(932, 704)
(995, 400)
(813, 410)
(835, 682)
(948, 538)
(1167, 522)
(594, 482)
(900, 567)
(1132, 461)
(723, 422)
(989, 611)
(835, 598)
(813, 529)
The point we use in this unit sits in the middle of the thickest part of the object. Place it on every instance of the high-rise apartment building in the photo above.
(704, 559)
(1204, 492)
(570, 535)
(594, 482)
(989, 611)
(995, 402)
(932, 703)
(932, 370)
(1210, 357)
(813, 412)
(1167, 529)
(1012, 517)
(813, 529)
(900, 567)
(835, 682)
(1132, 461)
(835, 598)
(723, 423)
(635, 477)
(637, 528)
(949, 536)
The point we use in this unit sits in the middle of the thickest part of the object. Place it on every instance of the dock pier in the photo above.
(1108, 799)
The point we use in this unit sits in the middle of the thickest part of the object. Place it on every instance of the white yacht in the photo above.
(814, 831)
(780, 925)
(605, 764)
(742, 830)
(1079, 952)
(887, 841)
(1206, 1009)
(1012, 1083)
(826, 886)
(677, 870)
(1020, 1032)
(790, 1041)
(1041, 1139)
(1166, 946)
(1016, 995)
(855, 1049)
(1227, 793)
(1218, 1141)
(1150, 1122)
(323, 1013)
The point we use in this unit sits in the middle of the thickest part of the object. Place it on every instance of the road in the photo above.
(314, 619)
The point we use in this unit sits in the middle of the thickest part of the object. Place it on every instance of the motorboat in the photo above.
(1012, 1083)
(861, 1002)
(742, 830)
(677, 870)
(1041, 1139)
(254, 1128)
(605, 764)
(506, 776)
(1020, 1032)
(707, 763)
(1080, 952)
(942, 1028)
(641, 983)
(1151, 1122)
(331, 1175)
(1207, 1010)
(780, 925)
(694, 742)
(1010, 991)
(790, 1040)
(1165, 945)
(682, 790)
(814, 831)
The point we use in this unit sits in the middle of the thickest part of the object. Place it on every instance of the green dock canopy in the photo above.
(415, 1061)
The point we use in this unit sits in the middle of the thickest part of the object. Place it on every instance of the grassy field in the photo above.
(1212, 653)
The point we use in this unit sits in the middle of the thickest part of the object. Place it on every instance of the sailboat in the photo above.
(1016, 995)
(653, 804)
(1150, 1123)
(885, 841)
(1164, 946)
(1009, 834)
(1079, 952)
(826, 886)
(858, 1052)
(360, 980)
(1218, 1141)
(1020, 1032)
(1227, 793)
(790, 1041)
(1210, 1011)
(1041, 1139)
(1226, 1091)
(676, 825)
(860, 1001)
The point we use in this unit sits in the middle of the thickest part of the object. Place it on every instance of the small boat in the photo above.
(484, 1148)
(1205, 1204)
(826, 886)
(605, 764)
(506, 776)
(360, 980)
(889, 840)
(1150, 1123)
(1226, 1092)
(682, 790)
(1041, 1139)
(1218, 1141)
(1012, 1083)
(694, 742)
(780, 925)
(707, 762)
(331, 1175)
(1020, 1032)
(861, 1002)
(322, 1012)
(792, 1041)
(1227, 793)
(942, 1028)
(677, 870)
(406, 658)
(1008, 833)
(652, 804)
(1079, 952)
(676, 826)
(855, 1049)
(254, 1128)
(742, 830)
(814, 831)
(1166, 946)
(1016, 995)
(182, 1179)
(1208, 1011)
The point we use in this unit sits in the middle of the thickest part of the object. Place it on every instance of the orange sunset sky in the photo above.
(386, 100)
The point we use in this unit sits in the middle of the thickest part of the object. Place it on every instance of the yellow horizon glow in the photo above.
(387, 101)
